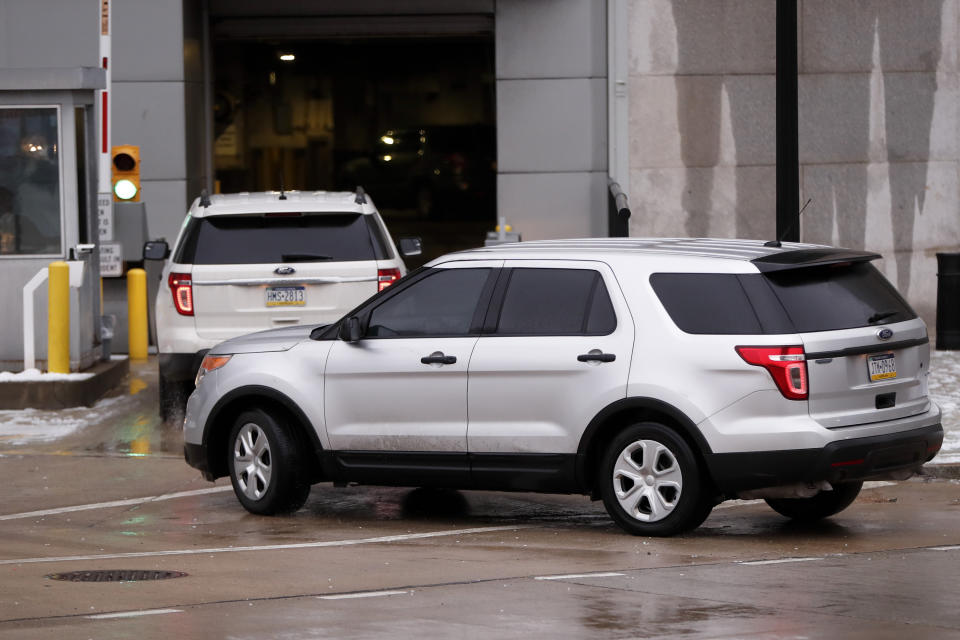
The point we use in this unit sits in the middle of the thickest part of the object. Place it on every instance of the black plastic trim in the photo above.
(802, 258)
(196, 456)
(843, 460)
(584, 478)
(870, 348)
(540, 472)
(267, 392)
(652, 404)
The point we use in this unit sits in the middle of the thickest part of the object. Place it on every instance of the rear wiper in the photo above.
(881, 315)
(303, 257)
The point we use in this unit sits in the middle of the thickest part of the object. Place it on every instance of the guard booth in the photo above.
(48, 206)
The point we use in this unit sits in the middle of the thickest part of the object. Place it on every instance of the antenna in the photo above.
(204, 198)
(361, 196)
(282, 195)
(779, 242)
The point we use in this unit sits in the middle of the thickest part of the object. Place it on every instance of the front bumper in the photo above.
(838, 461)
(196, 457)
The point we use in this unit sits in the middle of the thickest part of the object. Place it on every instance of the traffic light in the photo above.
(126, 173)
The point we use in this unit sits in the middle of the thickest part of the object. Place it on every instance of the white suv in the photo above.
(662, 376)
(252, 261)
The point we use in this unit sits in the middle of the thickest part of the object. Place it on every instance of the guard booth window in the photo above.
(30, 221)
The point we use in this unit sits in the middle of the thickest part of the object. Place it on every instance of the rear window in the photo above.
(253, 239)
(838, 297)
(792, 301)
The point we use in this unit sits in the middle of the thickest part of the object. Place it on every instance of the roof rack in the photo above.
(361, 196)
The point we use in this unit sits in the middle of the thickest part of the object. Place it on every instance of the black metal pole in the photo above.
(788, 134)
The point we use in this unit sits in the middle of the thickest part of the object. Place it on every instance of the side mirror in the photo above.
(156, 250)
(410, 247)
(350, 329)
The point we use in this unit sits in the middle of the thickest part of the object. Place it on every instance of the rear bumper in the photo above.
(839, 461)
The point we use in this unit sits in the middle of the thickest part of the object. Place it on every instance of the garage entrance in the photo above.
(411, 118)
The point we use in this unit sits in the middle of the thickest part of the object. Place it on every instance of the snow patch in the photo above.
(24, 426)
(944, 383)
(35, 375)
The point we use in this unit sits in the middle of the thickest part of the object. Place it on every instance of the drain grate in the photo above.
(115, 575)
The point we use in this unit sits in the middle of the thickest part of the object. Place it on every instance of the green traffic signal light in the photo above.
(124, 189)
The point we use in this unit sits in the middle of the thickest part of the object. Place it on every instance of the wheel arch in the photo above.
(216, 431)
(606, 424)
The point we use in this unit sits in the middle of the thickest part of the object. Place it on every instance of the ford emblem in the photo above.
(885, 334)
(284, 270)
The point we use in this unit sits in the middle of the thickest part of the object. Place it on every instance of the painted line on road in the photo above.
(270, 547)
(572, 576)
(954, 547)
(133, 614)
(114, 503)
(365, 594)
(780, 561)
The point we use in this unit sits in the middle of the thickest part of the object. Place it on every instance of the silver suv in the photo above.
(249, 261)
(661, 376)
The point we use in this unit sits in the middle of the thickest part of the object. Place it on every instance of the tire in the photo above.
(822, 505)
(265, 465)
(650, 482)
(173, 398)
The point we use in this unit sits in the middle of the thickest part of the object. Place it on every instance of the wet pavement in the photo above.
(109, 490)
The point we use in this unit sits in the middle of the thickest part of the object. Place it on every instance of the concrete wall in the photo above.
(878, 126)
(552, 117)
(151, 88)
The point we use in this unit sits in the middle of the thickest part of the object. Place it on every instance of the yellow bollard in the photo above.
(58, 317)
(137, 313)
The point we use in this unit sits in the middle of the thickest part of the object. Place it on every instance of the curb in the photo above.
(941, 471)
(62, 394)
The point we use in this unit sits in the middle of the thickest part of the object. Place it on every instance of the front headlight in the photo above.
(210, 363)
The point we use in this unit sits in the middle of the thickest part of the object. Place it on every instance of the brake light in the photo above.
(386, 277)
(181, 286)
(787, 366)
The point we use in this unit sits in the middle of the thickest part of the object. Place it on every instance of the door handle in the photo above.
(596, 356)
(437, 357)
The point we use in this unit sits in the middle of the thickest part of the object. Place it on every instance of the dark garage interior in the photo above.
(411, 119)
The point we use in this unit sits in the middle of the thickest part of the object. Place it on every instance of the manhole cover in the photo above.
(115, 575)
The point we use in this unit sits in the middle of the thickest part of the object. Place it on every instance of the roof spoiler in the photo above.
(803, 258)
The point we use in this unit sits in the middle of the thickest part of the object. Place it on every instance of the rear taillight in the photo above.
(386, 277)
(181, 286)
(787, 365)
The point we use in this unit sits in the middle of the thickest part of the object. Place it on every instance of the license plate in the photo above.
(882, 367)
(286, 296)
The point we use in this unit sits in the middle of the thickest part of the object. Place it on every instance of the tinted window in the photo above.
(793, 301)
(441, 304)
(838, 297)
(252, 239)
(556, 302)
(706, 303)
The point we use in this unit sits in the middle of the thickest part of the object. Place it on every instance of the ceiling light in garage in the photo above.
(287, 57)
